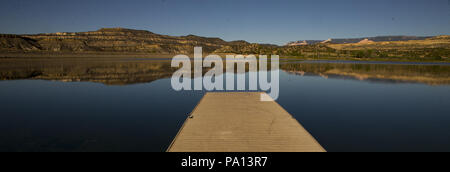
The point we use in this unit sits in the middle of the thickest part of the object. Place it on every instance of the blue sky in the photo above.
(262, 21)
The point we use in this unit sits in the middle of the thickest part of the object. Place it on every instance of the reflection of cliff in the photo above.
(428, 74)
(111, 72)
(116, 71)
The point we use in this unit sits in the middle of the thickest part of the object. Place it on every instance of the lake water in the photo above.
(115, 105)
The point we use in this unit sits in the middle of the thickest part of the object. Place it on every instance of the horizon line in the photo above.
(135, 29)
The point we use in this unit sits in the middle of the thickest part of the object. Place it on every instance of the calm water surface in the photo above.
(354, 112)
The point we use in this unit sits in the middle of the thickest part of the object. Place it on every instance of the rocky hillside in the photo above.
(112, 40)
(16, 43)
(438, 42)
(124, 41)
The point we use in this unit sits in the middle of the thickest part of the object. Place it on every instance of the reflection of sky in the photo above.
(343, 115)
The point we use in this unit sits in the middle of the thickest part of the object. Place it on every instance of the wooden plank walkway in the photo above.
(240, 122)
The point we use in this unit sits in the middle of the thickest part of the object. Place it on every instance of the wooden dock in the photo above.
(240, 122)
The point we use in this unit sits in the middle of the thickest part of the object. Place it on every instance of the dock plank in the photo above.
(240, 122)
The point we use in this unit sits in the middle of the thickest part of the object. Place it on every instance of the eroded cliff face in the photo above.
(128, 41)
(111, 40)
(18, 43)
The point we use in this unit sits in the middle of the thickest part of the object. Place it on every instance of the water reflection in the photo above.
(106, 71)
(343, 115)
(394, 73)
(129, 71)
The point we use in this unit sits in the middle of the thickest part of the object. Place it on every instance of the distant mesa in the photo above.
(327, 41)
(365, 41)
(308, 42)
(297, 43)
(119, 29)
(358, 40)
(440, 37)
(116, 29)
